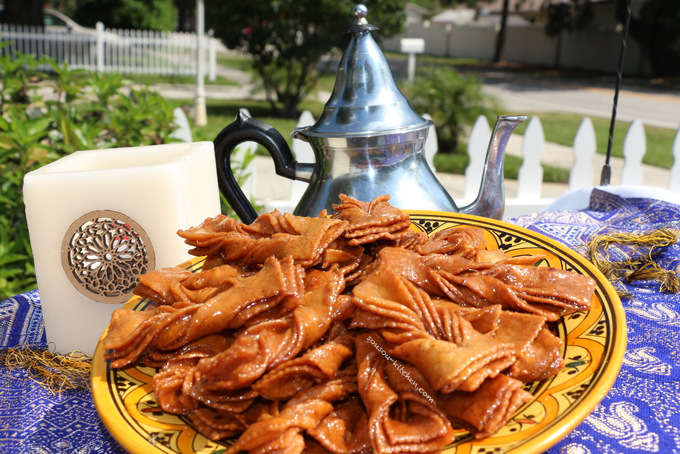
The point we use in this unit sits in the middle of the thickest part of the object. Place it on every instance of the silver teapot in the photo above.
(367, 142)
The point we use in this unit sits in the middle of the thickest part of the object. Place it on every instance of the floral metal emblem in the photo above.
(104, 253)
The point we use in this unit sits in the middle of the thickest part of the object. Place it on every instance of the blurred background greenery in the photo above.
(86, 110)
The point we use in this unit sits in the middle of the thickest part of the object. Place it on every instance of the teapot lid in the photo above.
(365, 100)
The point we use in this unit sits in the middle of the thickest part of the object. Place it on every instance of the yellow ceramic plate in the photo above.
(594, 342)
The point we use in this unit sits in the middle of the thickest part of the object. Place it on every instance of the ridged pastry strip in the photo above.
(401, 418)
(503, 394)
(314, 366)
(131, 333)
(263, 346)
(282, 433)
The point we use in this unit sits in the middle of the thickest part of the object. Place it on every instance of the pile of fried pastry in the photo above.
(349, 333)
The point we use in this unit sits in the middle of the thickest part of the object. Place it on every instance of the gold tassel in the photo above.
(55, 372)
(640, 263)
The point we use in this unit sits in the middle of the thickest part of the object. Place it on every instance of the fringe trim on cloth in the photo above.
(53, 371)
(626, 257)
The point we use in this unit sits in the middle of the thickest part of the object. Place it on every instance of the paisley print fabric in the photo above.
(641, 413)
(32, 418)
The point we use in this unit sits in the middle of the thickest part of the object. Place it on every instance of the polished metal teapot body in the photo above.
(367, 142)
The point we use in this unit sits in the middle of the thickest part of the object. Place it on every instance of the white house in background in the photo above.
(596, 47)
(455, 16)
(415, 13)
(521, 13)
(483, 14)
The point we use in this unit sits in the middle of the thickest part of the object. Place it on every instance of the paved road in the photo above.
(518, 94)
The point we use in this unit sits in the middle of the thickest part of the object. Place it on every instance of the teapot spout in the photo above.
(490, 201)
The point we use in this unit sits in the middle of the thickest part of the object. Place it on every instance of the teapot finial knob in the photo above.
(360, 24)
(360, 12)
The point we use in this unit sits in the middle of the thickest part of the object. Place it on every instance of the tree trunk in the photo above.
(558, 50)
(185, 14)
(27, 12)
(499, 55)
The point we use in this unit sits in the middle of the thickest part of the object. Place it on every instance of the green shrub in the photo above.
(454, 101)
(44, 116)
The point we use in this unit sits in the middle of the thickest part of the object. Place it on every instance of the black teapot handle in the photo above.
(246, 129)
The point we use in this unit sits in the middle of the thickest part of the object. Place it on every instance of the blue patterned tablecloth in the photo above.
(640, 414)
(34, 420)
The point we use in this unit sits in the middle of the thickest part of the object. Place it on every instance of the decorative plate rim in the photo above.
(548, 433)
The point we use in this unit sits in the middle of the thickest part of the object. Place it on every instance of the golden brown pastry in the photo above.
(346, 334)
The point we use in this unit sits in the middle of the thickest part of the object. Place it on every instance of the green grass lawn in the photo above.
(240, 62)
(561, 128)
(151, 79)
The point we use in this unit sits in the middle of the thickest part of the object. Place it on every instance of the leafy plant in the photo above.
(454, 101)
(46, 116)
(16, 74)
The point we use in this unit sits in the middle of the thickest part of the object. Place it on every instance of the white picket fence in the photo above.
(529, 196)
(113, 50)
(583, 172)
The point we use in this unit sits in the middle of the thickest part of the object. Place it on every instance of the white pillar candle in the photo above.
(99, 218)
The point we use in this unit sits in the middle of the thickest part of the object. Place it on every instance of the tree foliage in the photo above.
(287, 38)
(655, 25)
(127, 14)
(185, 14)
(27, 12)
(570, 15)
